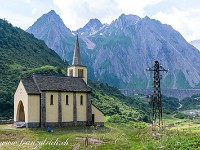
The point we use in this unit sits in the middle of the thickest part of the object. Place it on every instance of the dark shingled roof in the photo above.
(52, 83)
(30, 86)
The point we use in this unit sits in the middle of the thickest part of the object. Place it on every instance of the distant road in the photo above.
(177, 93)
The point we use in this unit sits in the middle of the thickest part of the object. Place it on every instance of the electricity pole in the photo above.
(156, 97)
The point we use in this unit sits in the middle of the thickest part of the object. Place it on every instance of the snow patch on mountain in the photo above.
(196, 43)
(88, 42)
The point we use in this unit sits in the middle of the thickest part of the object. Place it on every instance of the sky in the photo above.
(182, 15)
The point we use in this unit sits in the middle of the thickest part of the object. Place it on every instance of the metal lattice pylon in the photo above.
(156, 97)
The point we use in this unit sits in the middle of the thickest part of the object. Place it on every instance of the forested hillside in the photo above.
(192, 102)
(123, 109)
(20, 53)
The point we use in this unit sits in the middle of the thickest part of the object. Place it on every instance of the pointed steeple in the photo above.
(77, 69)
(77, 56)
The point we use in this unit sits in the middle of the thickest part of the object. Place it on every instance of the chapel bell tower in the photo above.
(77, 69)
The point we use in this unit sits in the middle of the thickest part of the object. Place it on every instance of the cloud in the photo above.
(136, 7)
(76, 13)
(23, 13)
(184, 16)
(185, 21)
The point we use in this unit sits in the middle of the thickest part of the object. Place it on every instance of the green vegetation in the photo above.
(120, 108)
(125, 127)
(125, 109)
(111, 136)
(136, 83)
(167, 82)
(181, 81)
(191, 103)
(180, 115)
(21, 55)
(119, 38)
(170, 104)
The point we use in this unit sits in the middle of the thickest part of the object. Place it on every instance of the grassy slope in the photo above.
(21, 54)
(124, 109)
(112, 136)
(121, 108)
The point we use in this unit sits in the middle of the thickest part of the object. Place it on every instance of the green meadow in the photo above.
(181, 134)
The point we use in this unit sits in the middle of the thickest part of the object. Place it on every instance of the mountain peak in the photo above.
(52, 12)
(91, 28)
(95, 21)
(51, 28)
(125, 48)
(125, 20)
(129, 18)
(51, 16)
(51, 20)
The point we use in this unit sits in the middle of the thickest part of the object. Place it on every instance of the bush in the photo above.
(181, 115)
(138, 125)
(115, 119)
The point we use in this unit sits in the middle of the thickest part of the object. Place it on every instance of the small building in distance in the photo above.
(42, 101)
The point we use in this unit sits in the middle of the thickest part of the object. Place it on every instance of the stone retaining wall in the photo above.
(11, 121)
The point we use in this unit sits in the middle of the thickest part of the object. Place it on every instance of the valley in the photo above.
(177, 93)
(117, 56)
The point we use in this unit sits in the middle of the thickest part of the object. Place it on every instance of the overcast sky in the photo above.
(182, 15)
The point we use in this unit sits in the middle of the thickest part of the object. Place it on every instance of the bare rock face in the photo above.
(91, 28)
(50, 28)
(119, 53)
(196, 43)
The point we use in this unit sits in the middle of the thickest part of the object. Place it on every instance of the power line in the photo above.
(156, 97)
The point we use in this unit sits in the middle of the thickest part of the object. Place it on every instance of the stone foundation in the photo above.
(19, 124)
(56, 124)
(99, 123)
(32, 125)
(81, 123)
(65, 124)
(7, 121)
(52, 124)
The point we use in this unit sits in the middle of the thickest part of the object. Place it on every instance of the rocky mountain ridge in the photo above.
(120, 52)
(91, 28)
